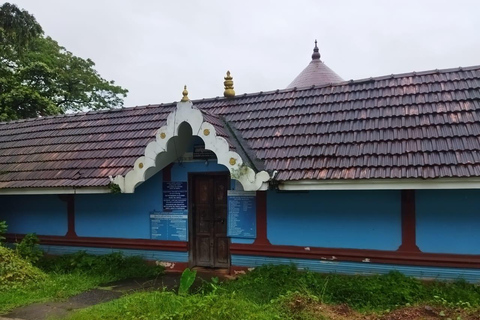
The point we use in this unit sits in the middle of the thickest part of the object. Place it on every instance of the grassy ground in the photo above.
(68, 275)
(269, 292)
(283, 293)
(56, 287)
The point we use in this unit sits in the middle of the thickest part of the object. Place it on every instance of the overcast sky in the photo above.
(153, 48)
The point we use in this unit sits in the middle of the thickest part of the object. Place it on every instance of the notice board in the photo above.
(169, 226)
(175, 196)
(242, 217)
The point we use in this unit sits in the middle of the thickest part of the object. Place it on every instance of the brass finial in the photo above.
(185, 94)
(228, 83)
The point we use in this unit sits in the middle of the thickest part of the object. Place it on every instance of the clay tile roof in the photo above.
(414, 125)
(316, 73)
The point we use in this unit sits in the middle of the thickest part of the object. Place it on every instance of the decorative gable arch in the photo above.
(157, 153)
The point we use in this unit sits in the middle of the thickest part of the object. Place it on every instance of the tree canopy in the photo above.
(38, 77)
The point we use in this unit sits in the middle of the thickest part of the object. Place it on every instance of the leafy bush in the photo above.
(3, 230)
(28, 248)
(113, 266)
(15, 271)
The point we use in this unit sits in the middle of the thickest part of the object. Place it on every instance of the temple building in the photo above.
(358, 177)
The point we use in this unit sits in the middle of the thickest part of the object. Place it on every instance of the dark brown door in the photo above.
(209, 208)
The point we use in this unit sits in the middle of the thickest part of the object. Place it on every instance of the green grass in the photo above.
(55, 287)
(268, 292)
(71, 274)
(363, 293)
(168, 305)
(281, 292)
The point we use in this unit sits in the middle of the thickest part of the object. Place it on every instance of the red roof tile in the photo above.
(415, 125)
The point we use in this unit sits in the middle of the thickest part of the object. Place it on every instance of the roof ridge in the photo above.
(254, 94)
(361, 80)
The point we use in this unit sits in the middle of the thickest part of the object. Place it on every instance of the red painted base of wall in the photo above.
(268, 250)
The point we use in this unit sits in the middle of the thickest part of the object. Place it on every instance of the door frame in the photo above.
(191, 216)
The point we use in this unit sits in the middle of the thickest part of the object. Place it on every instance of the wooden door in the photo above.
(209, 210)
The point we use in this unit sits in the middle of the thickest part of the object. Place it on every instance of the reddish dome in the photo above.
(316, 73)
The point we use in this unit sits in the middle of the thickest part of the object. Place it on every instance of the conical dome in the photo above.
(316, 73)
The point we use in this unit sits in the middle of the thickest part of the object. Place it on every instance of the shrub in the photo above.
(3, 230)
(113, 266)
(28, 248)
(15, 271)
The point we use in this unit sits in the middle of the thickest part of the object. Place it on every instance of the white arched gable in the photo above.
(186, 112)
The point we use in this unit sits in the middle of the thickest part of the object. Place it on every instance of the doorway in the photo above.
(209, 244)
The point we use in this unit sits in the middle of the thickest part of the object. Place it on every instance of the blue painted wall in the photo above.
(127, 215)
(448, 221)
(180, 170)
(335, 219)
(119, 215)
(42, 214)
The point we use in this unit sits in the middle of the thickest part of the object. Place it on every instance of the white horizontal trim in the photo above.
(61, 190)
(375, 184)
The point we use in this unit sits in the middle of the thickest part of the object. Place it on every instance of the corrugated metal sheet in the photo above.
(168, 256)
(366, 268)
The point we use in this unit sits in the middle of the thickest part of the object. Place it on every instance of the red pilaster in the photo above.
(70, 200)
(261, 219)
(409, 233)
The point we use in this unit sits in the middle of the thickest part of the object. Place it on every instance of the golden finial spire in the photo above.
(185, 94)
(228, 83)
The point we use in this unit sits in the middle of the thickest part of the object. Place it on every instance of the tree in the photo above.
(38, 77)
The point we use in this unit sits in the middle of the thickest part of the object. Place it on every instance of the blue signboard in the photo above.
(175, 196)
(169, 226)
(242, 221)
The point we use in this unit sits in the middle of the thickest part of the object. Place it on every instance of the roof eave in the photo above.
(58, 190)
(382, 184)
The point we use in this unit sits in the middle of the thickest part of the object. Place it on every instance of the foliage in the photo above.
(15, 271)
(113, 266)
(38, 77)
(17, 29)
(114, 188)
(28, 248)
(3, 230)
(186, 281)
